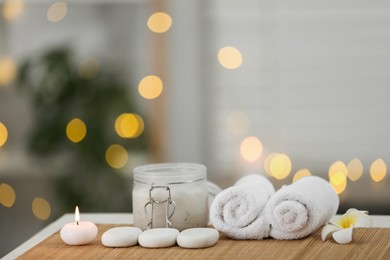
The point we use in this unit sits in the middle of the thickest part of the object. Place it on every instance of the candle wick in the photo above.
(77, 222)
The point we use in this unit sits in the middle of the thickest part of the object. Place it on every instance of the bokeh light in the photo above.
(7, 71)
(267, 163)
(57, 11)
(159, 22)
(150, 87)
(129, 125)
(76, 130)
(89, 68)
(41, 208)
(301, 173)
(355, 169)
(338, 182)
(378, 170)
(280, 166)
(3, 134)
(338, 167)
(230, 57)
(237, 123)
(116, 156)
(12, 9)
(7, 195)
(251, 148)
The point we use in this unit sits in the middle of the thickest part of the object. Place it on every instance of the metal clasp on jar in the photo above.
(169, 210)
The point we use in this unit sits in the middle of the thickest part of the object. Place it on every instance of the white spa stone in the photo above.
(121, 236)
(198, 237)
(158, 237)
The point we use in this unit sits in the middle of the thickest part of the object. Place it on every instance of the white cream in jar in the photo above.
(185, 183)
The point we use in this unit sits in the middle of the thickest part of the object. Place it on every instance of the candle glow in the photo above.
(77, 215)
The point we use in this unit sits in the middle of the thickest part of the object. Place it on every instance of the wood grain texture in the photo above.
(368, 243)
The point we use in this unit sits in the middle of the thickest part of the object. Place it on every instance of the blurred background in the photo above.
(89, 89)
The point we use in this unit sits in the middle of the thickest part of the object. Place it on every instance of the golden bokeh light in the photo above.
(129, 125)
(251, 148)
(338, 182)
(3, 134)
(267, 163)
(150, 87)
(355, 169)
(280, 166)
(7, 71)
(57, 11)
(159, 22)
(89, 68)
(7, 195)
(12, 9)
(338, 178)
(116, 156)
(378, 170)
(76, 130)
(337, 167)
(237, 123)
(41, 208)
(301, 173)
(230, 57)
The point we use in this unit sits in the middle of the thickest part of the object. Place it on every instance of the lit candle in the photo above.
(79, 232)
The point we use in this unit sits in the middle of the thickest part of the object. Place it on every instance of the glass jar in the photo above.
(170, 195)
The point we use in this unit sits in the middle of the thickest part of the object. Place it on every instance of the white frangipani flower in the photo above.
(341, 227)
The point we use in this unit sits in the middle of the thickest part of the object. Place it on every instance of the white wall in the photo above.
(184, 86)
(314, 81)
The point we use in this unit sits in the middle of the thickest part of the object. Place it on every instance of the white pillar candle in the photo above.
(78, 232)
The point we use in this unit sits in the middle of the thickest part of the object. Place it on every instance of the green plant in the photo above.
(58, 93)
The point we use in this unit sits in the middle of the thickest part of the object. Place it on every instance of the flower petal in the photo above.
(328, 230)
(343, 236)
(361, 218)
(351, 210)
(363, 221)
(356, 211)
(335, 221)
(353, 217)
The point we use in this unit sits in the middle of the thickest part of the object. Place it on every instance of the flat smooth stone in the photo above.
(198, 237)
(121, 236)
(158, 237)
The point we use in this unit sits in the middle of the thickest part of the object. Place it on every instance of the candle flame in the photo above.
(77, 215)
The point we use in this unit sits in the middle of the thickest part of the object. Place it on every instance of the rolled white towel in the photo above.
(299, 209)
(238, 210)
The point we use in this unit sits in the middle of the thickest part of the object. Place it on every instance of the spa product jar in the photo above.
(170, 195)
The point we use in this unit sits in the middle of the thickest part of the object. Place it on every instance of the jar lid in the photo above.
(169, 173)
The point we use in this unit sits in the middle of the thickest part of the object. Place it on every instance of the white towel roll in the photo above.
(238, 210)
(299, 209)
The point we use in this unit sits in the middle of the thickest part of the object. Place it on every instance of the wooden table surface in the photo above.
(226, 245)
